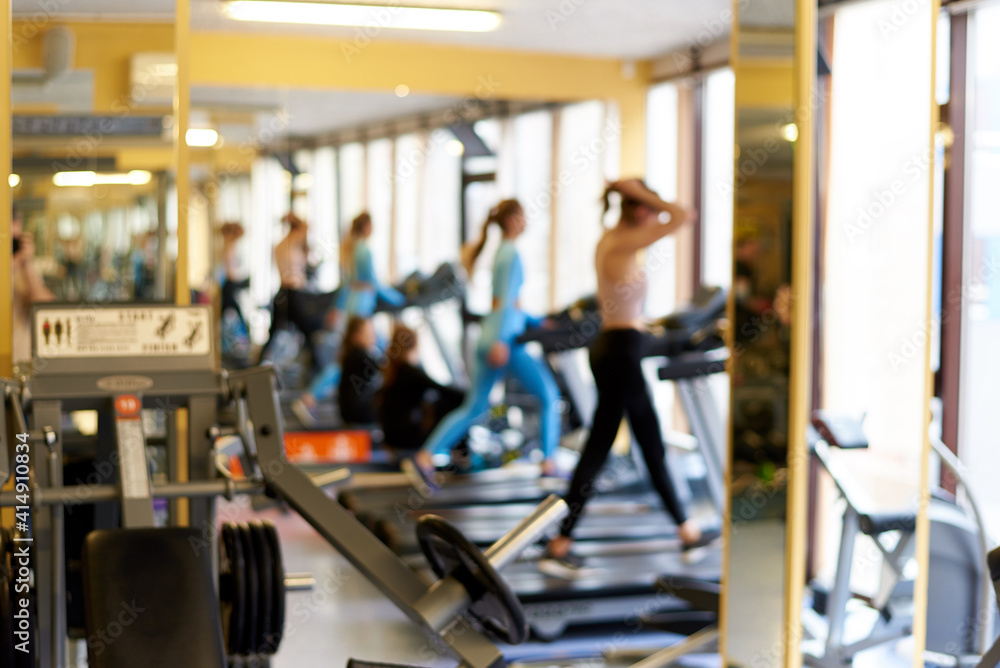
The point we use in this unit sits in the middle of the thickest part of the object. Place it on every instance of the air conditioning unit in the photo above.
(152, 77)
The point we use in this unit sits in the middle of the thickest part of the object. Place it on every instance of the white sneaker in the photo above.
(569, 567)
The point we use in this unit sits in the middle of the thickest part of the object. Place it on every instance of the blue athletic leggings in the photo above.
(531, 372)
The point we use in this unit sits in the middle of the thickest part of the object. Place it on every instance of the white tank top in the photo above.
(622, 284)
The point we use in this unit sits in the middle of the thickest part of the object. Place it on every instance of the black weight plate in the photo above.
(265, 587)
(449, 553)
(232, 587)
(251, 631)
(278, 574)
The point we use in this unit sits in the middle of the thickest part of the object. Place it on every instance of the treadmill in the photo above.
(629, 556)
(692, 348)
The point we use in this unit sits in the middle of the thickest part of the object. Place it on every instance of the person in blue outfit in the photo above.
(498, 352)
(359, 293)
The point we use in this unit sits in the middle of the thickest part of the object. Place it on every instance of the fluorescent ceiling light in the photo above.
(13, 180)
(376, 16)
(203, 137)
(137, 177)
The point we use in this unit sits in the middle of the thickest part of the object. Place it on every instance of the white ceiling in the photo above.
(606, 28)
(312, 112)
(626, 29)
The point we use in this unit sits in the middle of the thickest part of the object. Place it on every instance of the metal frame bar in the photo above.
(373, 559)
(706, 422)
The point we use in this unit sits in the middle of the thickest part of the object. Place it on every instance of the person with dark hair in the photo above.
(365, 288)
(359, 292)
(411, 403)
(291, 304)
(28, 287)
(361, 377)
(233, 278)
(498, 351)
(616, 361)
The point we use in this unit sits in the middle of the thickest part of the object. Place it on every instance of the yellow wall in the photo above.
(106, 48)
(282, 61)
(764, 84)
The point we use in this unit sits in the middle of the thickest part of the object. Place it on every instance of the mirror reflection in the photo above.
(93, 218)
(537, 248)
(766, 134)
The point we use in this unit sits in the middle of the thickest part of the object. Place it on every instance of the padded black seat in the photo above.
(150, 600)
(875, 524)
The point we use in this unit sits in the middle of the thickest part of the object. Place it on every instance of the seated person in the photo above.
(412, 403)
(361, 377)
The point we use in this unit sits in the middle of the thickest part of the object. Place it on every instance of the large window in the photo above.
(719, 125)
(351, 173)
(875, 244)
(407, 178)
(269, 186)
(379, 183)
(583, 137)
(439, 235)
(531, 178)
(320, 184)
(981, 285)
(661, 176)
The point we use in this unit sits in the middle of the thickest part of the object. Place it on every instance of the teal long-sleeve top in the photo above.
(362, 270)
(507, 321)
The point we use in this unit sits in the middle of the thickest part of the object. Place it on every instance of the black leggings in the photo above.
(616, 358)
(300, 309)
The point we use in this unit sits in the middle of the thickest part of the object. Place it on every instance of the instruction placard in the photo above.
(128, 331)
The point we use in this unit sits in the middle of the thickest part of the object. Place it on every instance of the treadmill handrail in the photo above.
(955, 465)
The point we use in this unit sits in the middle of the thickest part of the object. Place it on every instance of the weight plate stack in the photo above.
(250, 637)
(232, 587)
(251, 591)
(277, 627)
(265, 587)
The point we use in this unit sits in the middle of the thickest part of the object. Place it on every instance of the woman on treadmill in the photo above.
(616, 360)
(359, 293)
(498, 351)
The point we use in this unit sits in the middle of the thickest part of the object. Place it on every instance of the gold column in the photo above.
(182, 178)
(182, 154)
(923, 535)
(6, 296)
(800, 376)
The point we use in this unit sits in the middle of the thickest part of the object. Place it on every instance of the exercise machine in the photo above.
(955, 564)
(113, 360)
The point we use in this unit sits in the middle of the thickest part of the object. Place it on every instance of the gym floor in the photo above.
(346, 617)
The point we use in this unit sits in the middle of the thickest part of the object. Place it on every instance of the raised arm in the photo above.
(640, 237)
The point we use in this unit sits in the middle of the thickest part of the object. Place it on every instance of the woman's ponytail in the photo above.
(472, 250)
(499, 215)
